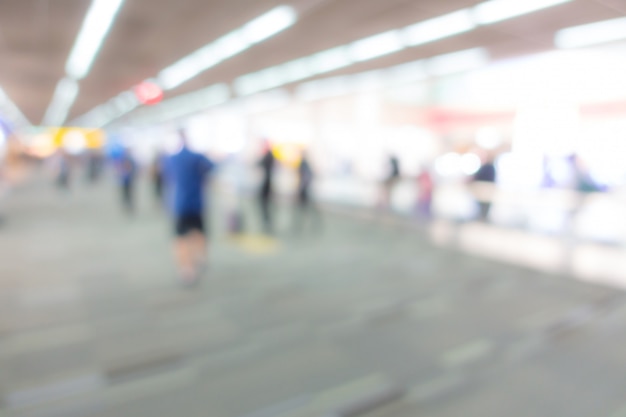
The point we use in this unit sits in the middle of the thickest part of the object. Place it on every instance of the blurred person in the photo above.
(185, 173)
(305, 207)
(63, 168)
(94, 166)
(234, 171)
(266, 192)
(156, 174)
(127, 171)
(584, 182)
(486, 174)
(389, 183)
(425, 188)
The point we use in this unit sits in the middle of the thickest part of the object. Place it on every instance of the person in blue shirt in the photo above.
(185, 175)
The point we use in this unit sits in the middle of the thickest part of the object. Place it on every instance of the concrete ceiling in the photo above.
(36, 37)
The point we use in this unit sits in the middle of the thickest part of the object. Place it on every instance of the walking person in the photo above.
(185, 174)
(266, 192)
(425, 189)
(305, 207)
(486, 175)
(127, 170)
(156, 173)
(390, 182)
(63, 168)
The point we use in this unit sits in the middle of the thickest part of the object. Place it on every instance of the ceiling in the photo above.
(36, 37)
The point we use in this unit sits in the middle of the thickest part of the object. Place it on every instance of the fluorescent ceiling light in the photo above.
(230, 45)
(367, 81)
(177, 74)
(497, 10)
(248, 84)
(406, 73)
(126, 101)
(457, 62)
(297, 70)
(64, 96)
(330, 60)
(269, 24)
(96, 25)
(376, 46)
(188, 67)
(271, 77)
(10, 110)
(259, 81)
(268, 101)
(439, 27)
(227, 46)
(184, 105)
(591, 34)
(201, 60)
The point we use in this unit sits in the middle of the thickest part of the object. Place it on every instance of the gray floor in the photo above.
(365, 318)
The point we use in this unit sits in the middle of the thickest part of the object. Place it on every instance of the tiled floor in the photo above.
(366, 318)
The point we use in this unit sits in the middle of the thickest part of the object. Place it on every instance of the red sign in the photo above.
(148, 93)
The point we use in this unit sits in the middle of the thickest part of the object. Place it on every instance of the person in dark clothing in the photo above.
(64, 171)
(304, 204)
(94, 166)
(127, 171)
(266, 193)
(157, 179)
(391, 180)
(485, 174)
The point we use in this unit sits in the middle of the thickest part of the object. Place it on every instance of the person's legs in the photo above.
(385, 195)
(316, 217)
(298, 214)
(184, 258)
(266, 214)
(127, 196)
(485, 207)
(190, 247)
(158, 190)
(198, 248)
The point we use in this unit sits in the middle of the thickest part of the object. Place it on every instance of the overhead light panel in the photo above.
(184, 105)
(367, 81)
(376, 46)
(330, 60)
(230, 45)
(11, 111)
(227, 46)
(407, 73)
(260, 81)
(497, 10)
(591, 34)
(297, 70)
(457, 62)
(247, 84)
(325, 88)
(96, 25)
(272, 77)
(62, 100)
(439, 27)
(269, 24)
(203, 59)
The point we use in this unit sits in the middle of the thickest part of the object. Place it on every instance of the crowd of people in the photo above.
(178, 181)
